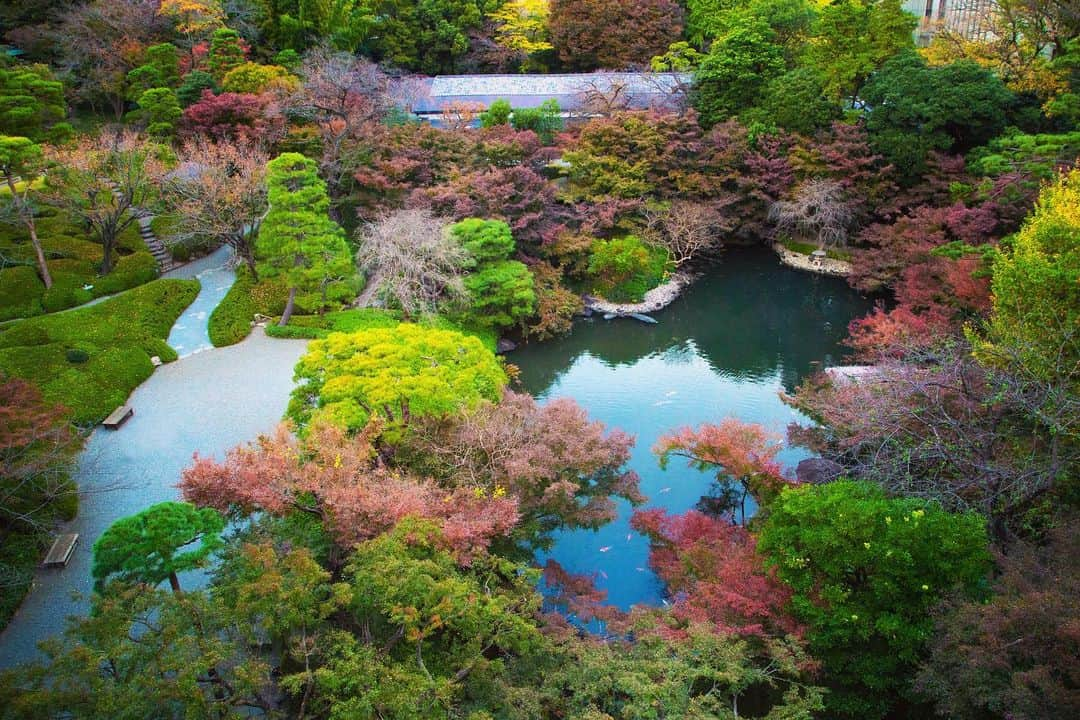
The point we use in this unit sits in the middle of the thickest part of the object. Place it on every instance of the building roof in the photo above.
(640, 90)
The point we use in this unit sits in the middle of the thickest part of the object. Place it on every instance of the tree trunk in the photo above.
(106, 255)
(42, 264)
(249, 260)
(174, 583)
(243, 247)
(28, 218)
(288, 308)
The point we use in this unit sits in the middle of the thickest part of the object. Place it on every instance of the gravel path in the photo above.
(206, 402)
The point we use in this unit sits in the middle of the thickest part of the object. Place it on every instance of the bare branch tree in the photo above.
(818, 210)
(339, 94)
(462, 115)
(219, 192)
(943, 427)
(605, 94)
(686, 229)
(104, 181)
(411, 260)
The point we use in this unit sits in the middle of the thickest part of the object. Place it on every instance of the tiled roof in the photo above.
(527, 91)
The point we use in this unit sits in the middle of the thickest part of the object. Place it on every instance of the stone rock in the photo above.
(155, 361)
(818, 471)
(505, 345)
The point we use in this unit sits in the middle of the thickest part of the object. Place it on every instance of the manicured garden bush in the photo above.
(624, 269)
(397, 374)
(117, 337)
(231, 320)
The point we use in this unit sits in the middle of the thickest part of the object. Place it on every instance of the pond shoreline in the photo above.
(656, 299)
(824, 266)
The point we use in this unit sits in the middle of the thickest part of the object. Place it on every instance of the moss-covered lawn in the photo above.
(90, 359)
(73, 260)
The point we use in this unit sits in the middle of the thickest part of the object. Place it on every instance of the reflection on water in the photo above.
(747, 330)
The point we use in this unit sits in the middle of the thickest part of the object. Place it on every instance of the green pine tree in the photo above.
(298, 240)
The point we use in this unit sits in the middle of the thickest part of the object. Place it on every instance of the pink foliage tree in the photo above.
(234, 115)
(341, 480)
(743, 455)
(562, 469)
(713, 572)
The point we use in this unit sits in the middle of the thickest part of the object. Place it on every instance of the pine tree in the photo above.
(226, 52)
(298, 239)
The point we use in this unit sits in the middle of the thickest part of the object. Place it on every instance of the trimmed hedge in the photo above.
(231, 320)
(113, 343)
(314, 327)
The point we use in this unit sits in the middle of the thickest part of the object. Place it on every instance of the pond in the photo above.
(747, 330)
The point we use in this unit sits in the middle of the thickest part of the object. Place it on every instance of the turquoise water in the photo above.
(747, 330)
(189, 334)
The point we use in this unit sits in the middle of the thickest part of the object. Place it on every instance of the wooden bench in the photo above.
(118, 417)
(60, 552)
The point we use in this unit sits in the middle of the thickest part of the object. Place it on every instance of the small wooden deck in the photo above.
(60, 552)
(118, 417)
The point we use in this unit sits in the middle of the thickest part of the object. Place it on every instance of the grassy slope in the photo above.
(91, 359)
(73, 260)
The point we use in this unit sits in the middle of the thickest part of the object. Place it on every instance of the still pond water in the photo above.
(745, 331)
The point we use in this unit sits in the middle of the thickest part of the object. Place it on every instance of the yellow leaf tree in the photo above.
(523, 27)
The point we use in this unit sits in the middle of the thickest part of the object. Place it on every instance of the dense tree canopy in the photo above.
(31, 101)
(381, 560)
(865, 571)
(591, 34)
(916, 108)
(394, 374)
(736, 69)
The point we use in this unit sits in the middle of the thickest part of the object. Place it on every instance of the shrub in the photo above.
(624, 269)
(230, 322)
(545, 120)
(76, 356)
(498, 113)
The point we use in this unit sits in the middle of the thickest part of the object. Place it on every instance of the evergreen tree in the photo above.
(147, 547)
(226, 52)
(298, 239)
